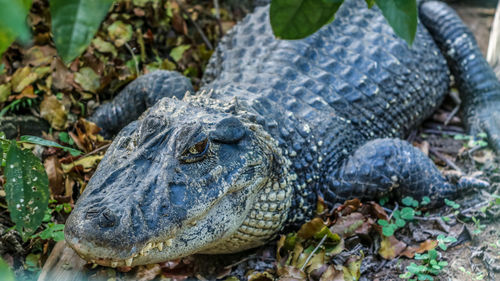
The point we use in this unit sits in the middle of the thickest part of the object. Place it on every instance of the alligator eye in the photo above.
(196, 152)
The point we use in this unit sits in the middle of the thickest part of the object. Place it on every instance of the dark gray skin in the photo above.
(277, 124)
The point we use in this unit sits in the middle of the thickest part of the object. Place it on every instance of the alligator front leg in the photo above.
(394, 168)
(136, 97)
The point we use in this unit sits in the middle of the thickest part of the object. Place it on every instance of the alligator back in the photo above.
(355, 67)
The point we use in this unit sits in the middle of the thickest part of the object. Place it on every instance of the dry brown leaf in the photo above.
(28, 92)
(261, 276)
(346, 226)
(55, 174)
(310, 228)
(390, 247)
(427, 245)
(52, 110)
(5, 91)
(39, 55)
(62, 78)
(290, 273)
(147, 272)
(350, 206)
(87, 163)
(332, 274)
(22, 78)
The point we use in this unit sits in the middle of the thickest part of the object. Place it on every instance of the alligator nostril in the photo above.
(107, 218)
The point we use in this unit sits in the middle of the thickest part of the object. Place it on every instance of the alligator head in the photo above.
(190, 176)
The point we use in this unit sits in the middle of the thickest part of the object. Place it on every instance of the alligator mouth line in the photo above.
(145, 251)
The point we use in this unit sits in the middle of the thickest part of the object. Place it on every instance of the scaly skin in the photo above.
(277, 124)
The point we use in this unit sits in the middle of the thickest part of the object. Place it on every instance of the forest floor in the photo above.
(38, 92)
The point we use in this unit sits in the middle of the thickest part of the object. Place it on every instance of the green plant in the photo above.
(478, 227)
(26, 186)
(5, 271)
(301, 18)
(430, 266)
(399, 218)
(74, 23)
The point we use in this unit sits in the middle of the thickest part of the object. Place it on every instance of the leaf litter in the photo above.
(346, 243)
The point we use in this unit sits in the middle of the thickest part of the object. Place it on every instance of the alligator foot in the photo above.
(136, 97)
(394, 168)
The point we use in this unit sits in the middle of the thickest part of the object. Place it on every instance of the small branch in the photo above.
(446, 160)
(198, 28)
(452, 114)
(312, 253)
(134, 57)
(97, 150)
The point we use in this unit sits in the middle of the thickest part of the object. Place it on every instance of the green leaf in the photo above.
(5, 271)
(26, 188)
(178, 51)
(401, 16)
(74, 24)
(370, 3)
(40, 141)
(53, 231)
(389, 230)
(383, 222)
(409, 201)
(407, 213)
(400, 222)
(425, 200)
(13, 18)
(297, 19)
(451, 204)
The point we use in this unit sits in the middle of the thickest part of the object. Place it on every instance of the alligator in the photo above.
(277, 125)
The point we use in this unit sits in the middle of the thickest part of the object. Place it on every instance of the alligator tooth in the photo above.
(168, 243)
(128, 262)
(114, 264)
(148, 247)
(160, 246)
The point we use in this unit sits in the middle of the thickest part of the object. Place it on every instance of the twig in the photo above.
(312, 253)
(395, 209)
(452, 114)
(134, 57)
(200, 31)
(446, 160)
(97, 150)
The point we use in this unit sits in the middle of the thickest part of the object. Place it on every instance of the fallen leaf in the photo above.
(352, 270)
(147, 272)
(104, 47)
(350, 206)
(310, 228)
(62, 78)
(427, 245)
(22, 78)
(55, 174)
(260, 276)
(5, 91)
(87, 163)
(120, 33)
(332, 274)
(178, 52)
(88, 79)
(28, 92)
(52, 110)
(346, 226)
(390, 247)
(290, 273)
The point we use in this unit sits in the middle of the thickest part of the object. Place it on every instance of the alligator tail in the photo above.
(477, 83)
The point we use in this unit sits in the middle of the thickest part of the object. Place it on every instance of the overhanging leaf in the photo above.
(74, 23)
(300, 18)
(26, 189)
(40, 141)
(401, 16)
(5, 271)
